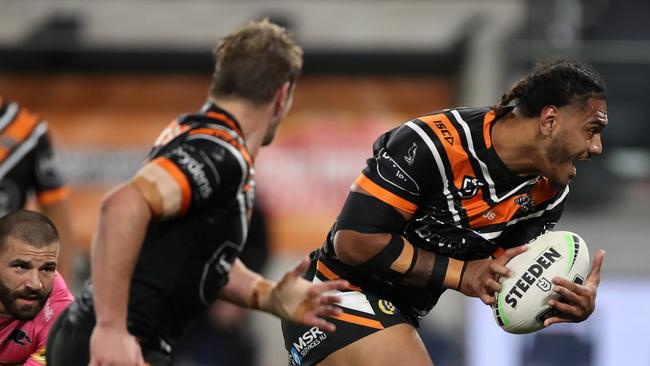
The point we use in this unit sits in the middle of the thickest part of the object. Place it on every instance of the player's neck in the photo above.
(253, 119)
(516, 143)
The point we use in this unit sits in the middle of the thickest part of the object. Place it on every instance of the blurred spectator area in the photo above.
(109, 75)
(103, 125)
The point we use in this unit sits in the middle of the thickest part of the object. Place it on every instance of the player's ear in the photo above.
(548, 119)
(281, 97)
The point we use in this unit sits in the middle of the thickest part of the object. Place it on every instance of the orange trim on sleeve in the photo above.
(385, 195)
(180, 178)
(52, 196)
(349, 318)
(487, 122)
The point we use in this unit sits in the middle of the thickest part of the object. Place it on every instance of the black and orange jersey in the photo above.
(204, 173)
(465, 203)
(27, 163)
(442, 169)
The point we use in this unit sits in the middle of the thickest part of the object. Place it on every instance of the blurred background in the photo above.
(108, 75)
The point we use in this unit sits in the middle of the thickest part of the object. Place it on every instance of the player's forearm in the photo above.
(116, 245)
(397, 260)
(244, 286)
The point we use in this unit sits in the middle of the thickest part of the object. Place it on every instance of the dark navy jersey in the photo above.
(27, 163)
(204, 173)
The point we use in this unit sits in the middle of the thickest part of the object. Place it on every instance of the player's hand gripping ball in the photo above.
(522, 302)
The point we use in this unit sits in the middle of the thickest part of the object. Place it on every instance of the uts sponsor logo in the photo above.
(470, 187)
(305, 343)
(387, 307)
(195, 169)
(535, 271)
(391, 172)
(410, 154)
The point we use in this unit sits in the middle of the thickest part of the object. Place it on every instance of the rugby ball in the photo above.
(522, 302)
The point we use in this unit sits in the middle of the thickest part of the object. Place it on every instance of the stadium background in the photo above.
(109, 75)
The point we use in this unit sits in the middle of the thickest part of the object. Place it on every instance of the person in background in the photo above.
(168, 240)
(32, 293)
(28, 166)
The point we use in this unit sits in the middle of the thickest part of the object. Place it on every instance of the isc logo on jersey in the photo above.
(305, 343)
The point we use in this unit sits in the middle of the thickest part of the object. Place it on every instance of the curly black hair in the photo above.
(558, 83)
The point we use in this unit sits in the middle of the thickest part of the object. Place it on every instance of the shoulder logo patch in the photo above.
(391, 172)
(410, 154)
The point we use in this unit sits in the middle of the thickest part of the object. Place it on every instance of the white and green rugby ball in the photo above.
(522, 302)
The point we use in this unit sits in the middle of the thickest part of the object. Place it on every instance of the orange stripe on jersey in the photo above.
(543, 191)
(18, 130)
(487, 122)
(349, 318)
(458, 159)
(180, 178)
(330, 275)
(385, 195)
(506, 210)
(52, 196)
(502, 212)
(226, 137)
(222, 117)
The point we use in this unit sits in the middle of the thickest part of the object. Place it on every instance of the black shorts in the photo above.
(363, 314)
(68, 343)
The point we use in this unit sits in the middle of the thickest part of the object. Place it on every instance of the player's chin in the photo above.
(562, 178)
(26, 312)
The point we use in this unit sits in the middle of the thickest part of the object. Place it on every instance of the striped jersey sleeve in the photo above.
(197, 172)
(401, 169)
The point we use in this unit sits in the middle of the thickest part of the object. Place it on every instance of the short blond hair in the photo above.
(255, 61)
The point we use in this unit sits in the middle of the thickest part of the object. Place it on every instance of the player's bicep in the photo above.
(165, 188)
(193, 175)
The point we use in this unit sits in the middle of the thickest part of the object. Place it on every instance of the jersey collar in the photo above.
(211, 110)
